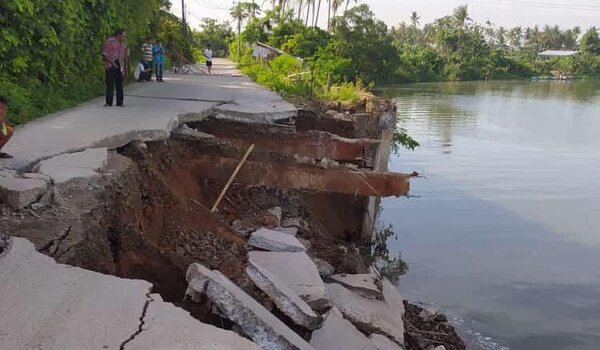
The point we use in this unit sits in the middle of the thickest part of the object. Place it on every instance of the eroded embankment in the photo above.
(146, 214)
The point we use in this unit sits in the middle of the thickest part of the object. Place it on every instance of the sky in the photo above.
(507, 13)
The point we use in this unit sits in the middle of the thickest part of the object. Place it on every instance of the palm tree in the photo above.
(414, 19)
(317, 17)
(240, 12)
(461, 16)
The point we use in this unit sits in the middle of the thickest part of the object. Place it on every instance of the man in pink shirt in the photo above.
(114, 56)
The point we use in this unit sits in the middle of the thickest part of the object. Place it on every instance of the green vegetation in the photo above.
(51, 49)
(357, 47)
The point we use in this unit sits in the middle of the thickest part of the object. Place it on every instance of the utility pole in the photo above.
(183, 24)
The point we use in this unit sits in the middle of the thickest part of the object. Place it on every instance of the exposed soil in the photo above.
(427, 332)
(148, 217)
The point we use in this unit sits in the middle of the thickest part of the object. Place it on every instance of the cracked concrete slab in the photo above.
(51, 306)
(297, 271)
(152, 112)
(18, 192)
(169, 327)
(71, 166)
(275, 241)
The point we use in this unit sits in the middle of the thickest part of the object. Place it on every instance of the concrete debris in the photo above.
(169, 327)
(428, 313)
(441, 347)
(275, 241)
(298, 272)
(392, 297)
(363, 284)
(286, 300)
(44, 177)
(338, 333)
(185, 132)
(278, 213)
(383, 343)
(18, 192)
(369, 316)
(325, 268)
(256, 322)
(71, 166)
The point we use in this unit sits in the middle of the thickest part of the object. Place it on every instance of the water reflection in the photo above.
(505, 232)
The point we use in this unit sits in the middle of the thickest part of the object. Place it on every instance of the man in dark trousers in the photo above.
(115, 66)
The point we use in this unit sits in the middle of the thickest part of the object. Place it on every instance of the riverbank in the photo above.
(130, 193)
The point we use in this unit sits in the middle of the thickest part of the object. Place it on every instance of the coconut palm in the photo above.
(348, 3)
(461, 16)
(414, 19)
(240, 12)
(318, 9)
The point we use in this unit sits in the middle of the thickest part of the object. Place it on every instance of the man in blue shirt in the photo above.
(159, 56)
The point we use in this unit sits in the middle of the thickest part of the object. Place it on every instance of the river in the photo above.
(502, 232)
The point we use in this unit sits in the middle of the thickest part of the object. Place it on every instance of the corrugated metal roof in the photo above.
(558, 53)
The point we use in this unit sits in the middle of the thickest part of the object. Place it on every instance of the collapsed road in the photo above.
(113, 243)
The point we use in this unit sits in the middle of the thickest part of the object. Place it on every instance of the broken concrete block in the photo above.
(441, 347)
(242, 228)
(70, 166)
(286, 300)
(298, 272)
(266, 330)
(275, 241)
(18, 192)
(305, 242)
(325, 268)
(44, 177)
(392, 297)
(369, 316)
(363, 284)
(383, 343)
(169, 327)
(338, 333)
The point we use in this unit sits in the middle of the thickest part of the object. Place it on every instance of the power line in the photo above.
(545, 5)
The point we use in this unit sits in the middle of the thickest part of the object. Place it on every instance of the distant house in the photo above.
(558, 53)
(263, 51)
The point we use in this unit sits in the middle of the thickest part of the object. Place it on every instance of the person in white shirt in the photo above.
(142, 73)
(208, 54)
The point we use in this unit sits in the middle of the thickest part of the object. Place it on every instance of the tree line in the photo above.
(355, 45)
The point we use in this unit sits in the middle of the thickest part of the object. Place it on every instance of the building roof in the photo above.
(558, 53)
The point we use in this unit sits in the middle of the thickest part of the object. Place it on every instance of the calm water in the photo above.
(503, 233)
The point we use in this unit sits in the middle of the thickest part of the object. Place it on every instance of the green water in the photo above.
(503, 232)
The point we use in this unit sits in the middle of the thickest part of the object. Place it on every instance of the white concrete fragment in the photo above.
(169, 327)
(441, 347)
(392, 297)
(18, 192)
(298, 272)
(370, 316)
(363, 284)
(70, 166)
(275, 241)
(338, 333)
(253, 319)
(294, 222)
(286, 300)
(51, 306)
(383, 343)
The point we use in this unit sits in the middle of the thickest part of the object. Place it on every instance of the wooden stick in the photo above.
(233, 175)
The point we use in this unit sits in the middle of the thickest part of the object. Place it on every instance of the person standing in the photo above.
(158, 52)
(147, 56)
(115, 66)
(5, 128)
(208, 54)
